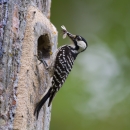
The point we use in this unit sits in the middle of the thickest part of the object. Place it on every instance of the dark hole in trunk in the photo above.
(44, 47)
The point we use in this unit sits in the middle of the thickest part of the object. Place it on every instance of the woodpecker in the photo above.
(63, 63)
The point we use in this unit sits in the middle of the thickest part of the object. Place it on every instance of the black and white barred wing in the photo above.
(63, 65)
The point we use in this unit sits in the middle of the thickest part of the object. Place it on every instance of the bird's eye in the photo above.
(78, 38)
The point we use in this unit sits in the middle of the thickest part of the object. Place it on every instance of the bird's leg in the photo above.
(42, 61)
(40, 58)
(45, 64)
(49, 67)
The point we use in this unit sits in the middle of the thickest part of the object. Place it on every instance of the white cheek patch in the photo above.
(82, 45)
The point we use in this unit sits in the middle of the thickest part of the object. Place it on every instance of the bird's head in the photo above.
(79, 42)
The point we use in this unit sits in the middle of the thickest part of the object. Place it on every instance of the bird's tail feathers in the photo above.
(41, 103)
(51, 98)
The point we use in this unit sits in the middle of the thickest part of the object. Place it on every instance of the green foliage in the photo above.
(97, 92)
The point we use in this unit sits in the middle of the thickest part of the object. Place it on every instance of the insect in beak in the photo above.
(65, 33)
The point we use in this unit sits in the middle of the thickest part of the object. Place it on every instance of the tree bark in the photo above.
(25, 29)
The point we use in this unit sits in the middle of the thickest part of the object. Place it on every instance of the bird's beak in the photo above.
(71, 36)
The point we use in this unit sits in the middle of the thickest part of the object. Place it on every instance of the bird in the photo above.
(62, 65)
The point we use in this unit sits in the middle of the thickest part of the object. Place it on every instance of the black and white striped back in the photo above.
(63, 65)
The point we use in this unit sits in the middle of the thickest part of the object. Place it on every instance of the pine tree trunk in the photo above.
(25, 29)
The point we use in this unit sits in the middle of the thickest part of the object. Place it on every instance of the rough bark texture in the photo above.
(25, 29)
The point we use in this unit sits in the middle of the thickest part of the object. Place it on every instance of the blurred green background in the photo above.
(96, 95)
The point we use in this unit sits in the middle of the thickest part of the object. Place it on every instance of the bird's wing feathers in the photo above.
(63, 65)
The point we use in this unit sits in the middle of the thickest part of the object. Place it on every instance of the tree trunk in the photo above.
(25, 29)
